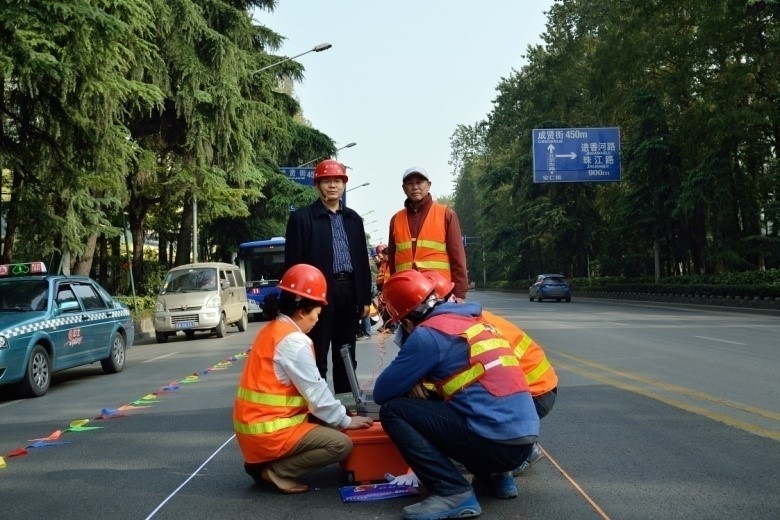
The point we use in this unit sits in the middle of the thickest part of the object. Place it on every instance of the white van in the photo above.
(205, 296)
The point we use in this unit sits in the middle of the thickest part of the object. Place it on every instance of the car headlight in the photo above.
(214, 302)
(3, 342)
(159, 306)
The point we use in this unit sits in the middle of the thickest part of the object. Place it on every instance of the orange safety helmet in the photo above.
(330, 168)
(404, 292)
(442, 286)
(307, 281)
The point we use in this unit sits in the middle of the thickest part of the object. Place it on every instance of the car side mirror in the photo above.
(68, 306)
(224, 284)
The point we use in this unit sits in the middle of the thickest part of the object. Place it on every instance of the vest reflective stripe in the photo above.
(473, 373)
(486, 345)
(270, 399)
(426, 252)
(523, 346)
(438, 246)
(537, 372)
(268, 426)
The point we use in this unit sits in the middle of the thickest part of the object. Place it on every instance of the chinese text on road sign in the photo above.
(576, 154)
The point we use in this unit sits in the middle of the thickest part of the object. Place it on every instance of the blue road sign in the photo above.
(576, 154)
(299, 175)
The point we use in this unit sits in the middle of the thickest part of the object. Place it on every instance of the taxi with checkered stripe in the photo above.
(51, 322)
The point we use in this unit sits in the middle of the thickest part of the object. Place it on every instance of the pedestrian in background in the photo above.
(426, 235)
(331, 237)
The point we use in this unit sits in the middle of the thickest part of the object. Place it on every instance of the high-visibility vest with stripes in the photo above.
(492, 363)
(382, 273)
(430, 247)
(269, 417)
(539, 373)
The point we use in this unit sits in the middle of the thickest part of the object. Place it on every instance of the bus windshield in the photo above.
(262, 261)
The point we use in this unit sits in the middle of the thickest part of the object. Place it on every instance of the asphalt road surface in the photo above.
(663, 412)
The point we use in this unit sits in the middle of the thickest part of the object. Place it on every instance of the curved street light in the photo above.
(358, 186)
(366, 213)
(349, 145)
(319, 48)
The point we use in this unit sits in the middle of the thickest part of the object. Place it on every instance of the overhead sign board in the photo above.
(576, 154)
(299, 175)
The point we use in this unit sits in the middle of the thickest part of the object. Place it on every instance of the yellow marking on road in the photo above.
(715, 416)
(676, 388)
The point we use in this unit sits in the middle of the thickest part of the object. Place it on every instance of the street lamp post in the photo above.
(366, 213)
(349, 145)
(317, 48)
(358, 186)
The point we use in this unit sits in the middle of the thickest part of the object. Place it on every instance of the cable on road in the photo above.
(581, 491)
(190, 477)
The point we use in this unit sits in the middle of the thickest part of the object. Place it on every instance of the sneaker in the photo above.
(504, 485)
(535, 456)
(462, 505)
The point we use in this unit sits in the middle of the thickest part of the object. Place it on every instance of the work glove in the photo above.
(410, 479)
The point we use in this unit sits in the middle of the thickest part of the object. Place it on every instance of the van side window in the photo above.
(232, 278)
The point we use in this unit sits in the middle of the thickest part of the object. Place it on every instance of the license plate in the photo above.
(185, 324)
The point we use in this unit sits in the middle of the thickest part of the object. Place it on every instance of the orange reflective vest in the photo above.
(539, 373)
(382, 274)
(269, 417)
(491, 361)
(427, 252)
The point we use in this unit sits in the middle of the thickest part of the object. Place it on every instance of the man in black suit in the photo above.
(331, 237)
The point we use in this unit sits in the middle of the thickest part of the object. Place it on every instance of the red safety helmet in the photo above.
(442, 286)
(330, 168)
(307, 281)
(404, 292)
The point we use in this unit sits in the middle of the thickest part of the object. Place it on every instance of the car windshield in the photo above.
(555, 280)
(23, 295)
(190, 280)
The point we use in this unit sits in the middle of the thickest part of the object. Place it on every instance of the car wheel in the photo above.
(539, 298)
(37, 377)
(220, 329)
(115, 361)
(557, 299)
(243, 323)
(568, 299)
(161, 337)
(189, 334)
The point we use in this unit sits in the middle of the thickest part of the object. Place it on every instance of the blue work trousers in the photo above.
(430, 433)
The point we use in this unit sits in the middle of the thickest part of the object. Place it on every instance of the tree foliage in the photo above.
(695, 89)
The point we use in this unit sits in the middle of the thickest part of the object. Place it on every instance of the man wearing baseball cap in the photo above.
(425, 235)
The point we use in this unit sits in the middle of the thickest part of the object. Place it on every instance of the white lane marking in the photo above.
(159, 357)
(616, 323)
(721, 340)
(10, 402)
(190, 477)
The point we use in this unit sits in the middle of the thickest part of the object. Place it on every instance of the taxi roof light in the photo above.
(22, 269)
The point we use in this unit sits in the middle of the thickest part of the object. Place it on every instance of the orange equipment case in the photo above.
(373, 455)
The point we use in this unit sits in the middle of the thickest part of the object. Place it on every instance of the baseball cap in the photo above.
(419, 170)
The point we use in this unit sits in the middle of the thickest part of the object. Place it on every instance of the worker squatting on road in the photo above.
(482, 400)
(281, 387)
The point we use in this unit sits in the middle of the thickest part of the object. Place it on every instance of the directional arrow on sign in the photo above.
(570, 155)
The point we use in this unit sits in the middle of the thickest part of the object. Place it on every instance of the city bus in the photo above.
(262, 264)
